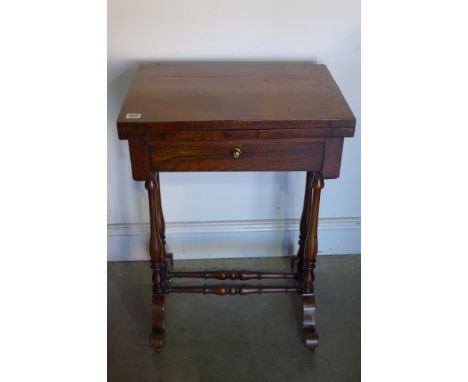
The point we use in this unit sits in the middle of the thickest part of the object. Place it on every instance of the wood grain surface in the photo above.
(256, 155)
(168, 96)
(235, 116)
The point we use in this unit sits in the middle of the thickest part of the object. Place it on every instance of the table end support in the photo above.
(158, 265)
(308, 255)
(309, 331)
(158, 322)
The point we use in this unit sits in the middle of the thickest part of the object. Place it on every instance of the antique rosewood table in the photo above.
(240, 116)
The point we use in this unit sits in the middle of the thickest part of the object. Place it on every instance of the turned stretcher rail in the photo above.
(232, 275)
(222, 290)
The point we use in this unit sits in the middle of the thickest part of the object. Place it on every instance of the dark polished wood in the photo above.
(256, 155)
(161, 222)
(157, 254)
(233, 289)
(223, 135)
(309, 330)
(309, 258)
(234, 95)
(232, 275)
(238, 116)
(158, 321)
(304, 225)
(275, 154)
(311, 242)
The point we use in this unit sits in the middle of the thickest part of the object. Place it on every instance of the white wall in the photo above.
(324, 31)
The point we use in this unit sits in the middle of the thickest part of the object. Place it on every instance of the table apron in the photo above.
(295, 154)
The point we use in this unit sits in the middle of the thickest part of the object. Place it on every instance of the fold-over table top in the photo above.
(167, 96)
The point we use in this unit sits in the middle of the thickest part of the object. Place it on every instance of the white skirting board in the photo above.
(231, 239)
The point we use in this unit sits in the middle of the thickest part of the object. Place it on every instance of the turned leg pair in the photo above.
(307, 255)
(158, 261)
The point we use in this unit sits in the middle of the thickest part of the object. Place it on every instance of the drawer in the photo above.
(237, 155)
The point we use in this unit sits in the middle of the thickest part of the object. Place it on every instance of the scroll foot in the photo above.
(309, 330)
(158, 319)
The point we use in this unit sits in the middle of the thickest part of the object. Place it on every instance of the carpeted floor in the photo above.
(235, 338)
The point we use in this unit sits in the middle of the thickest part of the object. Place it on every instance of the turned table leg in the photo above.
(168, 257)
(304, 225)
(161, 222)
(308, 259)
(157, 253)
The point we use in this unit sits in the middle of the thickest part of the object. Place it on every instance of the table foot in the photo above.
(158, 320)
(309, 331)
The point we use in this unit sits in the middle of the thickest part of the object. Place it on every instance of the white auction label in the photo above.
(133, 116)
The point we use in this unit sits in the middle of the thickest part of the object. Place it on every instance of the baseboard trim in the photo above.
(235, 238)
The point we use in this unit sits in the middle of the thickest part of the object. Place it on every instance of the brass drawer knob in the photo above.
(236, 153)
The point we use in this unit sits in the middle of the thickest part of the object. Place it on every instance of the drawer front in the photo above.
(235, 155)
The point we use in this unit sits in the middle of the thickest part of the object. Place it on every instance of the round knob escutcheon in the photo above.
(236, 153)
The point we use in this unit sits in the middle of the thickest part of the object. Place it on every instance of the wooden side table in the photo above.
(242, 116)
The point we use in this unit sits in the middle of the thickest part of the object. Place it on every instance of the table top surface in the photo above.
(234, 95)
